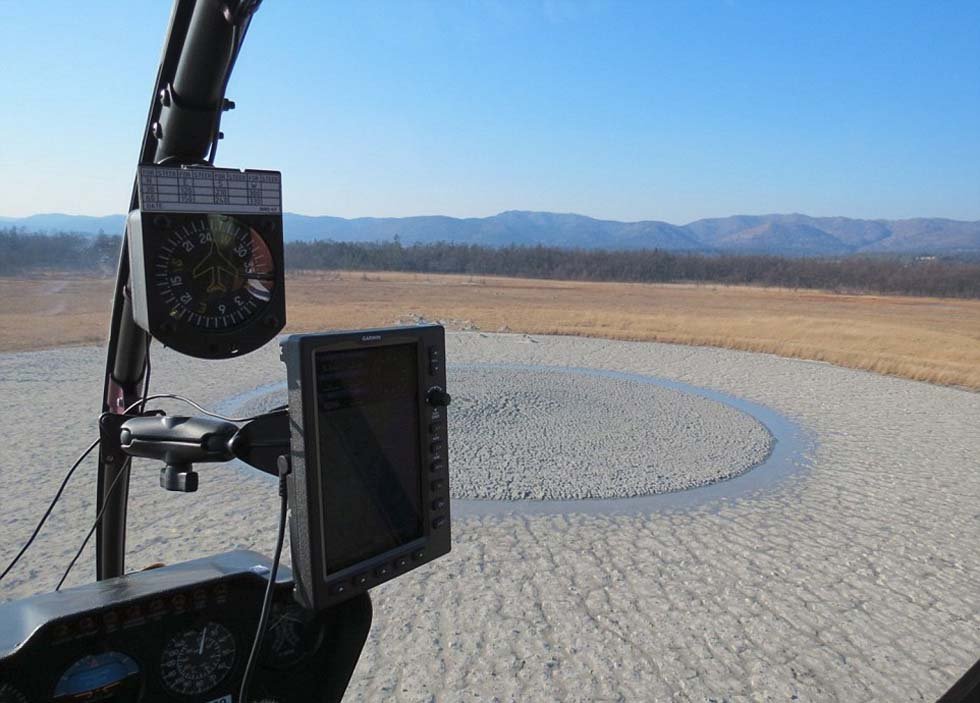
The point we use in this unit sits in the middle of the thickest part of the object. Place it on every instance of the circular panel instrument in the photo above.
(103, 676)
(214, 273)
(206, 259)
(198, 659)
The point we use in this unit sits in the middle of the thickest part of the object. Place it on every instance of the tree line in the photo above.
(855, 274)
(22, 252)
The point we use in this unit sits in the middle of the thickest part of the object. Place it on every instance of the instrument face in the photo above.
(214, 273)
(198, 659)
(206, 259)
(107, 675)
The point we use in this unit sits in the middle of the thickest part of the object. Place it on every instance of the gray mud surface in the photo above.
(855, 580)
(527, 434)
(560, 434)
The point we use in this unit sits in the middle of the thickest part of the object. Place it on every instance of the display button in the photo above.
(436, 466)
(438, 522)
(382, 571)
(438, 484)
(418, 554)
(439, 504)
(361, 579)
(401, 562)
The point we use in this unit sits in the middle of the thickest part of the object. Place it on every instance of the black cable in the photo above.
(47, 512)
(199, 408)
(146, 373)
(78, 462)
(125, 470)
(267, 600)
(98, 519)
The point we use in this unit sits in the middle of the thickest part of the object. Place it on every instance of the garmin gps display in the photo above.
(369, 459)
(368, 451)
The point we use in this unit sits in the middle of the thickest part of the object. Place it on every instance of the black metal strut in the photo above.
(202, 42)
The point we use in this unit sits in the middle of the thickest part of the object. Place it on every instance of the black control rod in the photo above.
(202, 42)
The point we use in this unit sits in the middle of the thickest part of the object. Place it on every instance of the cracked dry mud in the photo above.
(853, 580)
(559, 434)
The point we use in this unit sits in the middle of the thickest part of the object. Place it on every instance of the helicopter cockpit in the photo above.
(360, 451)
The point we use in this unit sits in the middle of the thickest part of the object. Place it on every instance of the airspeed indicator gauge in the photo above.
(198, 659)
(206, 259)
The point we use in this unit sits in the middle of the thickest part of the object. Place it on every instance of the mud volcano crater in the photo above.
(555, 434)
(521, 434)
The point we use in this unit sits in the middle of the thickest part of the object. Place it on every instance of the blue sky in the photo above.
(625, 110)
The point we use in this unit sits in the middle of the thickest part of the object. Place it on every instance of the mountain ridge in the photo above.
(791, 234)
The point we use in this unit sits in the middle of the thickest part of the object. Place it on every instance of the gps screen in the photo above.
(369, 450)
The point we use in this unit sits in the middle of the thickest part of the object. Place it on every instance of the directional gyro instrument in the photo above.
(206, 259)
(359, 453)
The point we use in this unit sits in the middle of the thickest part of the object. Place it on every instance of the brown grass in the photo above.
(928, 339)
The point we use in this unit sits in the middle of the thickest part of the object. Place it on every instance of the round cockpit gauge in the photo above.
(196, 660)
(9, 694)
(293, 633)
(96, 677)
(214, 273)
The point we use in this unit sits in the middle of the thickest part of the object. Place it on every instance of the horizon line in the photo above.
(546, 212)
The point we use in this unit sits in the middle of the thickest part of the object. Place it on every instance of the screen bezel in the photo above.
(315, 588)
(367, 342)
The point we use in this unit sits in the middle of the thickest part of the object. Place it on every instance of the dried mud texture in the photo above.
(563, 434)
(855, 580)
(519, 434)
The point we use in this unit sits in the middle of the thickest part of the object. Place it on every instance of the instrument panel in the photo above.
(180, 633)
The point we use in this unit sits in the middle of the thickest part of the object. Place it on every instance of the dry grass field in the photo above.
(928, 339)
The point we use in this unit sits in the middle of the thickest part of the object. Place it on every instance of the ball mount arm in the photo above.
(180, 442)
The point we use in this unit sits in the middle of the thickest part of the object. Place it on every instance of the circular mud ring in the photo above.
(552, 434)
(534, 434)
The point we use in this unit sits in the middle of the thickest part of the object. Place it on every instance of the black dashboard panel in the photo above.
(178, 633)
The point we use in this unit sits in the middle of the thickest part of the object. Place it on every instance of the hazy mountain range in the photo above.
(788, 235)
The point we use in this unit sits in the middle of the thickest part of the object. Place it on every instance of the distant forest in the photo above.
(22, 253)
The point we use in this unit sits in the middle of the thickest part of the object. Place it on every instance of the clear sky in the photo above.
(626, 110)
